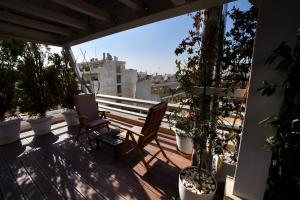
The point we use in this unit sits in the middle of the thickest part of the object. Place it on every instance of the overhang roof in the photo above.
(71, 22)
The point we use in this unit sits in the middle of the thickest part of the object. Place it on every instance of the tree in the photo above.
(10, 51)
(236, 63)
(201, 70)
(68, 83)
(238, 47)
(38, 87)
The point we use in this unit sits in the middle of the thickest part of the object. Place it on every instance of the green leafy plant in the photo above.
(235, 65)
(284, 175)
(10, 51)
(38, 87)
(180, 120)
(197, 71)
(67, 79)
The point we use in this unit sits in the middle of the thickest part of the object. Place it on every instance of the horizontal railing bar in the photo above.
(123, 105)
(122, 111)
(141, 101)
(129, 112)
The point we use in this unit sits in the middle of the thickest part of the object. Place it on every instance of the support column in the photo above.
(76, 69)
(278, 21)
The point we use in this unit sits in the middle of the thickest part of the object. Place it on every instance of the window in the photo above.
(118, 78)
(95, 78)
(119, 69)
(119, 89)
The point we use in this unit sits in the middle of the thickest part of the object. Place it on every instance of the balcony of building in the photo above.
(56, 166)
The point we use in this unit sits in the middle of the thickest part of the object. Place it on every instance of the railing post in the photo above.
(76, 69)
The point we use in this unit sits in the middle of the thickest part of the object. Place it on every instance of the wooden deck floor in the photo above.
(55, 167)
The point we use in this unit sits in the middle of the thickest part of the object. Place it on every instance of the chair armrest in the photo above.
(130, 130)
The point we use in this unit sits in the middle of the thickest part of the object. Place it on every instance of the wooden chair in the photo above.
(140, 137)
(90, 118)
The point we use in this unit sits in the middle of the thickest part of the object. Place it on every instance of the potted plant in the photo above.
(181, 125)
(10, 51)
(38, 87)
(197, 181)
(68, 86)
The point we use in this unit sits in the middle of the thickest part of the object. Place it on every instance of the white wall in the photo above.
(129, 80)
(143, 89)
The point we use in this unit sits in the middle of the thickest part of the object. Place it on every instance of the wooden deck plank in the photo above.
(78, 183)
(48, 189)
(64, 179)
(9, 187)
(59, 182)
(71, 172)
(83, 160)
(23, 179)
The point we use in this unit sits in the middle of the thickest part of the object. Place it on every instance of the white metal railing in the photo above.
(132, 106)
(140, 107)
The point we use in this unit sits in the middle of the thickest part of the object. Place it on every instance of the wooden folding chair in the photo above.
(90, 118)
(140, 137)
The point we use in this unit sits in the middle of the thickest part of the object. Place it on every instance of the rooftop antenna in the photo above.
(88, 65)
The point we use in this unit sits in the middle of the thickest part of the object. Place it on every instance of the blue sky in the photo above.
(147, 48)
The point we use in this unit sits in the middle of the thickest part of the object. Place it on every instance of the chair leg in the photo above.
(126, 146)
(107, 127)
(139, 151)
(143, 158)
(161, 149)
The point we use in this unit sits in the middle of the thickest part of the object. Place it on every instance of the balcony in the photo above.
(57, 167)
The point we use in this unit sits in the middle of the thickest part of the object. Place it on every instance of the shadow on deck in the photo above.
(55, 167)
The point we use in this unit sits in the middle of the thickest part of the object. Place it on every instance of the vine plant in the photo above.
(284, 176)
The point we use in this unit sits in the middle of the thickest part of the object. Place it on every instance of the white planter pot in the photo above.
(186, 194)
(225, 169)
(184, 144)
(71, 117)
(10, 131)
(41, 126)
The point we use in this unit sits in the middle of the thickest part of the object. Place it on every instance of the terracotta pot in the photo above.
(186, 194)
(41, 126)
(71, 117)
(10, 131)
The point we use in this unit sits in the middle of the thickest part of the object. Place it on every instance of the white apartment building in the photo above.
(109, 76)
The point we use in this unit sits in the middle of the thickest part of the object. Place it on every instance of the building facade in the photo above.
(109, 76)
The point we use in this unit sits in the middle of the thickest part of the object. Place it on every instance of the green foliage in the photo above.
(181, 119)
(236, 65)
(38, 87)
(68, 83)
(197, 71)
(10, 51)
(238, 47)
(284, 175)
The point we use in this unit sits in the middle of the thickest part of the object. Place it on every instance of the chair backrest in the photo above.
(155, 115)
(86, 105)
